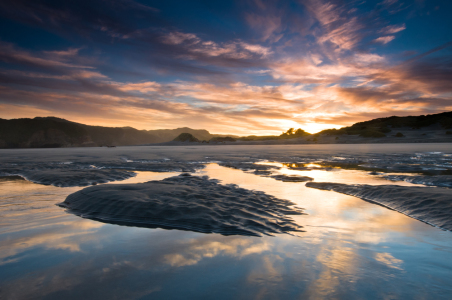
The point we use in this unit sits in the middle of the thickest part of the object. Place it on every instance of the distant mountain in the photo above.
(51, 132)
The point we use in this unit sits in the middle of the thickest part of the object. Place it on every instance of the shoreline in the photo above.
(304, 142)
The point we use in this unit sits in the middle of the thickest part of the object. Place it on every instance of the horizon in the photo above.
(238, 68)
(199, 128)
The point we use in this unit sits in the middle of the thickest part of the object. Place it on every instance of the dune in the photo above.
(428, 204)
(186, 202)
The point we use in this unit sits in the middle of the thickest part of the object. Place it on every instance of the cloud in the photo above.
(176, 38)
(71, 52)
(388, 2)
(90, 18)
(267, 25)
(306, 71)
(345, 36)
(391, 29)
(12, 55)
(384, 39)
(234, 50)
(142, 87)
(337, 27)
(276, 64)
(87, 92)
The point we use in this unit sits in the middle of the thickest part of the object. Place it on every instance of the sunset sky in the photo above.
(237, 67)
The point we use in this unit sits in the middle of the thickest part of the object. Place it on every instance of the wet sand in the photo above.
(186, 202)
(351, 249)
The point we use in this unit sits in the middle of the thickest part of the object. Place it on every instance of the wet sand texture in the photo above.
(187, 203)
(430, 205)
(69, 178)
(265, 171)
(248, 166)
(292, 178)
(85, 174)
(441, 181)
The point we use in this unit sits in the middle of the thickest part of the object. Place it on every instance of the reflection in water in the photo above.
(351, 249)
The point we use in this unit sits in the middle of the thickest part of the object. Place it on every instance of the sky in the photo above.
(231, 67)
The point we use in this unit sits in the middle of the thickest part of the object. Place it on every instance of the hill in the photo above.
(434, 128)
(51, 132)
(186, 138)
(166, 135)
(382, 126)
(289, 134)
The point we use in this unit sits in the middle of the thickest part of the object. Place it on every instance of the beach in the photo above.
(345, 247)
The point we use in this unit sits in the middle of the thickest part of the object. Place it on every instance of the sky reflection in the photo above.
(351, 249)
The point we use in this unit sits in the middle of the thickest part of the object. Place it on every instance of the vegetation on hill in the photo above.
(166, 135)
(289, 134)
(51, 132)
(292, 133)
(42, 133)
(380, 127)
(221, 139)
(186, 138)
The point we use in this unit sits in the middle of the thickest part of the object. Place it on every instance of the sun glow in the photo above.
(316, 127)
(308, 127)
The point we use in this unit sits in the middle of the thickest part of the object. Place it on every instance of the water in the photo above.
(351, 249)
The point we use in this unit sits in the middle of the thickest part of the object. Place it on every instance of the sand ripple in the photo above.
(188, 203)
(439, 180)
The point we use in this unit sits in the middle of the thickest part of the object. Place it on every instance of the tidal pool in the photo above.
(351, 249)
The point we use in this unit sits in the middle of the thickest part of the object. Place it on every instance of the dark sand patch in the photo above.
(248, 166)
(82, 174)
(292, 178)
(187, 203)
(144, 165)
(439, 180)
(427, 204)
(265, 171)
(68, 178)
(395, 158)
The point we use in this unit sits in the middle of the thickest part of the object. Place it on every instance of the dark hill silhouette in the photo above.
(185, 137)
(382, 126)
(222, 139)
(169, 134)
(55, 132)
(52, 132)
